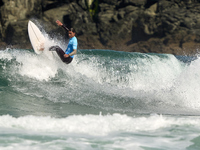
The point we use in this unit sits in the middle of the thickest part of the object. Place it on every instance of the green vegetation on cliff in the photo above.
(93, 8)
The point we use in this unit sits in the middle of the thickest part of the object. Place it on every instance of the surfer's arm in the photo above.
(65, 27)
(62, 25)
(71, 54)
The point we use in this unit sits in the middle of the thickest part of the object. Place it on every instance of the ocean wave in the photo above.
(96, 125)
(104, 79)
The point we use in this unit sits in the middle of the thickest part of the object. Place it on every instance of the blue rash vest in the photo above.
(71, 45)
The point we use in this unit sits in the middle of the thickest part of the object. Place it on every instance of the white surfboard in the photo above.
(36, 37)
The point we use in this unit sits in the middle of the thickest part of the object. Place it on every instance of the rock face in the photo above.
(161, 26)
(14, 15)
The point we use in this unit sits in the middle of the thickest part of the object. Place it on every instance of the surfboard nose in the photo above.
(36, 37)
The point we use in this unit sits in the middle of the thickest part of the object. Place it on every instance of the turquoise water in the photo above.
(103, 100)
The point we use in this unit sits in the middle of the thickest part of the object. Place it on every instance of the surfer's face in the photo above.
(71, 34)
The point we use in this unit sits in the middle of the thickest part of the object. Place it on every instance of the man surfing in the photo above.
(71, 50)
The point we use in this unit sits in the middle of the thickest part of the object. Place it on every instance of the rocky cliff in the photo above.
(161, 26)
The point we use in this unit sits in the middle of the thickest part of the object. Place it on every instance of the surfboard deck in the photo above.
(36, 37)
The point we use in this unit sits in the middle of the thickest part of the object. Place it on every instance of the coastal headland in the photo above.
(149, 26)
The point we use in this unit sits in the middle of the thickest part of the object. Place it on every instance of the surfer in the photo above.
(71, 50)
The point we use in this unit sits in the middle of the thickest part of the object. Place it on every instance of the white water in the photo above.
(98, 131)
(91, 124)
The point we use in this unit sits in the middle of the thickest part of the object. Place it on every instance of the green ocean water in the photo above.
(103, 100)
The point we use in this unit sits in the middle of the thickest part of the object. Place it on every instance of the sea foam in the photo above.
(96, 125)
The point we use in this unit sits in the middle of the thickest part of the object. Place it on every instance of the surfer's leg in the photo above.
(61, 54)
(68, 60)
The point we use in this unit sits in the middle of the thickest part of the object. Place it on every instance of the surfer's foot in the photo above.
(41, 47)
(53, 48)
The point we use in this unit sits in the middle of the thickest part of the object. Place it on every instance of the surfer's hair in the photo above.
(72, 29)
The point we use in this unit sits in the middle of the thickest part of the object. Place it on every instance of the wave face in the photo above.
(98, 81)
(102, 100)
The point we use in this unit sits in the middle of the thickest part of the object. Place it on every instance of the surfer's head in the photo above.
(72, 29)
(71, 32)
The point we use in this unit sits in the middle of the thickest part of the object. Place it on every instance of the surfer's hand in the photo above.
(66, 55)
(59, 23)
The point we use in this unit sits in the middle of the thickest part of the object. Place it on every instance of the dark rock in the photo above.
(14, 19)
(135, 2)
(163, 26)
(16, 32)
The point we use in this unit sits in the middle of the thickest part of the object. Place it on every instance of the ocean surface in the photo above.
(103, 100)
